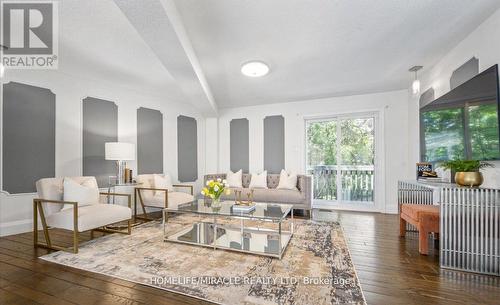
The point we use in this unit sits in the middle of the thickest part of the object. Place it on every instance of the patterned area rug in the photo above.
(315, 269)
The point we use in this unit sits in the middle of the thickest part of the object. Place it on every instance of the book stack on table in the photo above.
(239, 208)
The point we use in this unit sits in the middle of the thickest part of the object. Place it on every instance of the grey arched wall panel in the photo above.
(187, 149)
(274, 144)
(149, 141)
(100, 125)
(29, 136)
(239, 145)
(465, 72)
(426, 97)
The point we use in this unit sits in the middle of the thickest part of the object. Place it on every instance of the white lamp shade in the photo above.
(119, 151)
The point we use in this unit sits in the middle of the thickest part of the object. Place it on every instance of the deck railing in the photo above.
(357, 182)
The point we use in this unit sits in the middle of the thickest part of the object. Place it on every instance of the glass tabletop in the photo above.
(264, 211)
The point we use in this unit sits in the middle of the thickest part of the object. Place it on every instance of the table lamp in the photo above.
(120, 152)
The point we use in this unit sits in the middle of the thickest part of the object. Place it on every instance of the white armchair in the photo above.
(95, 217)
(150, 196)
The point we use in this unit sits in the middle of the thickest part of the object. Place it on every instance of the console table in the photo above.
(469, 223)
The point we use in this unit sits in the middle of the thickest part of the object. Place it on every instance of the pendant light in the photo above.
(415, 86)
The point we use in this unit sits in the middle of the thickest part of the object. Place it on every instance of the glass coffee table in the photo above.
(263, 231)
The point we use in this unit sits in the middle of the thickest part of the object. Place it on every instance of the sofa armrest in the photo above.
(304, 185)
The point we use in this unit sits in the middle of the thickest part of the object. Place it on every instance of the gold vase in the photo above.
(469, 178)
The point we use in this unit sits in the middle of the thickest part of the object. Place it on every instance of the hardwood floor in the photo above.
(390, 270)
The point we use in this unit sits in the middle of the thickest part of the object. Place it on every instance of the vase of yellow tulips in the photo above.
(214, 189)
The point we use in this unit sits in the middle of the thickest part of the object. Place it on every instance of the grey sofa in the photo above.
(300, 198)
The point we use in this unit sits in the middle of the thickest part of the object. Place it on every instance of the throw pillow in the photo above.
(259, 181)
(287, 182)
(163, 182)
(85, 193)
(235, 179)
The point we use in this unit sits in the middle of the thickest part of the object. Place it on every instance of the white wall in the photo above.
(212, 145)
(391, 105)
(484, 44)
(70, 89)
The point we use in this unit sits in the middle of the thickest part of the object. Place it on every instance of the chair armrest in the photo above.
(55, 201)
(184, 185)
(38, 210)
(37, 203)
(129, 197)
(150, 189)
(139, 189)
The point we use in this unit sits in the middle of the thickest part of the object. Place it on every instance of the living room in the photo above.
(251, 152)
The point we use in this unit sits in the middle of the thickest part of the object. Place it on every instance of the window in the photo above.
(341, 157)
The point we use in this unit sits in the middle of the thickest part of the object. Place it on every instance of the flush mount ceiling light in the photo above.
(254, 68)
(415, 86)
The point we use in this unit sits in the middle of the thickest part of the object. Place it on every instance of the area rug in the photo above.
(315, 269)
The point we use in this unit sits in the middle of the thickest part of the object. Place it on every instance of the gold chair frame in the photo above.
(38, 208)
(138, 194)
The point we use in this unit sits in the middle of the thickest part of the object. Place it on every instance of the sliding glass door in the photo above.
(340, 154)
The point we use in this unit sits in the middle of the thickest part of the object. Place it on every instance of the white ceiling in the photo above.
(322, 48)
(97, 42)
(192, 50)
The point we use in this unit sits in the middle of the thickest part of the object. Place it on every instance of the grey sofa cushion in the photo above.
(278, 196)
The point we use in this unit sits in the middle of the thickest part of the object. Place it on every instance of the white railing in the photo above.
(357, 182)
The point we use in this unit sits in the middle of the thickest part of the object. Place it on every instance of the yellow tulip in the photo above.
(228, 191)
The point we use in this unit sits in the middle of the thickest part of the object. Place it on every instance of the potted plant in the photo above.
(466, 171)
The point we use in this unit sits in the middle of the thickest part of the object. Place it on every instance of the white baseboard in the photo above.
(16, 227)
(353, 207)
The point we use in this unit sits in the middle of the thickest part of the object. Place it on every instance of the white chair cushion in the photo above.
(259, 181)
(146, 181)
(174, 199)
(52, 189)
(85, 193)
(234, 179)
(287, 182)
(163, 182)
(90, 216)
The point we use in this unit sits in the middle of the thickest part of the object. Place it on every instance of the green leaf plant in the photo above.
(464, 165)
